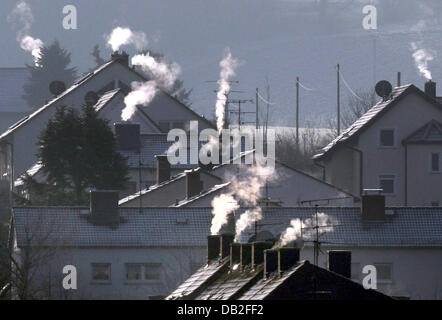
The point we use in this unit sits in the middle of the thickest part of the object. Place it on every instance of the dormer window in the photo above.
(435, 162)
(386, 138)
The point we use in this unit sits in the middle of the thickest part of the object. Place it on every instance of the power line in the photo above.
(265, 101)
(348, 86)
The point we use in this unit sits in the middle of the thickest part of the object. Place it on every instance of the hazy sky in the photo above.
(274, 39)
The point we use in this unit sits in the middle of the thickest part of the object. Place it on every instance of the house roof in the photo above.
(372, 115)
(203, 194)
(152, 227)
(156, 187)
(72, 88)
(429, 133)
(188, 226)
(150, 146)
(402, 227)
(79, 83)
(11, 89)
(218, 281)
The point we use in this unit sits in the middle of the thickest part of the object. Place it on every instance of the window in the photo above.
(143, 271)
(101, 271)
(434, 203)
(386, 183)
(386, 138)
(435, 162)
(384, 272)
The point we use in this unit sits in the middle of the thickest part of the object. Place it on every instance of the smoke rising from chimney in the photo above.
(421, 58)
(162, 75)
(22, 12)
(246, 188)
(124, 36)
(305, 230)
(228, 65)
(222, 206)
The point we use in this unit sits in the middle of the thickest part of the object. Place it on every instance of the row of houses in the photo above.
(145, 242)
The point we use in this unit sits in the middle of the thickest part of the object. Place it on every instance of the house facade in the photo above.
(379, 151)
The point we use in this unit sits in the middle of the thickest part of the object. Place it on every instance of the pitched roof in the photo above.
(156, 187)
(217, 280)
(431, 132)
(402, 227)
(72, 88)
(152, 227)
(372, 115)
(203, 194)
(153, 144)
(188, 226)
(11, 89)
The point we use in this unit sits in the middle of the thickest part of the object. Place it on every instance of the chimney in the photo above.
(339, 261)
(193, 183)
(104, 208)
(287, 258)
(430, 88)
(128, 136)
(235, 254)
(258, 252)
(163, 168)
(218, 246)
(373, 207)
(246, 254)
(225, 241)
(270, 261)
(213, 245)
(122, 58)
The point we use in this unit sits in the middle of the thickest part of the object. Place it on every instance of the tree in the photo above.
(177, 91)
(50, 66)
(78, 152)
(353, 110)
(98, 59)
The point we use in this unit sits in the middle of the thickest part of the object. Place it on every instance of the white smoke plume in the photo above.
(421, 58)
(223, 206)
(22, 12)
(246, 188)
(163, 75)
(142, 93)
(305, 230)
(124, 36)
(228, 65)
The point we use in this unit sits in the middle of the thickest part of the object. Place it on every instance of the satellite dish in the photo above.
(383, 89)
(91, 98)
(57, 87)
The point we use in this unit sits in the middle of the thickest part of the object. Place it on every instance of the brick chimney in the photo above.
(270, 261)
(193, 183)
(279, 260)
(258, 252)
(287, 258)
(373, 207)
(339, 261)
(430, 88)
(218, 246)
(128, 136)
(122, 58)
(246, 254)
(163, 168)
(104, 208)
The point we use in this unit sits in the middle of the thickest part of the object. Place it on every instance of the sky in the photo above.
(275, 41)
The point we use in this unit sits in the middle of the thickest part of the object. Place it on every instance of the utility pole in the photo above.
(257, 108)
(338, 100)
(297, 114)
